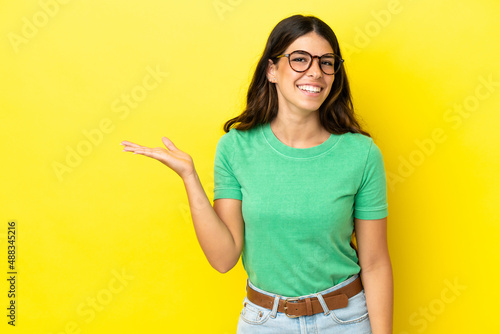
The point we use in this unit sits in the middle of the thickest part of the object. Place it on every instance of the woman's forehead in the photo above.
(312, 43)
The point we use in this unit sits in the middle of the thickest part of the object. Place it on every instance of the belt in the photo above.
(295, 307)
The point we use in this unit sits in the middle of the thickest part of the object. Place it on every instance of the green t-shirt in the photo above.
(299, 204)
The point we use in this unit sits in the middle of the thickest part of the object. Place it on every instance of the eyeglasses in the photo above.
(300, 61)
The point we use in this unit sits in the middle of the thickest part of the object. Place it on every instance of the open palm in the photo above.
(179, 161)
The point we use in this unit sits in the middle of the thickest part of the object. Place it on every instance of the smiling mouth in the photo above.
(310, 89)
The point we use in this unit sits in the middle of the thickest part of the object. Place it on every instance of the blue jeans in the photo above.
(352, 319)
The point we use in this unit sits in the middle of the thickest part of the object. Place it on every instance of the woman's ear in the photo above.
(271, 70)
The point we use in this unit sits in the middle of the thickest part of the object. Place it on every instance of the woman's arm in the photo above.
(376, 272)
(220, 228)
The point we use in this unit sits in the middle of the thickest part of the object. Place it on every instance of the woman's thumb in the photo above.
(168, 143)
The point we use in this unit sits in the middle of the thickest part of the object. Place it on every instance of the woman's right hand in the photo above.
(179, 161)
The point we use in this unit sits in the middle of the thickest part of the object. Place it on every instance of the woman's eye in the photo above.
(327, 63)
(299, 59)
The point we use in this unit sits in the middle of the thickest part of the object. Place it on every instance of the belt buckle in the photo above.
(293, 299)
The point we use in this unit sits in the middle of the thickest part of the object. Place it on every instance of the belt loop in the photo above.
(323, 304)
(309, 308)
(275, 306)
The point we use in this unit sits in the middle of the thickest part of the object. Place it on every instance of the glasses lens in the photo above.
(329, 64)
(299, 61)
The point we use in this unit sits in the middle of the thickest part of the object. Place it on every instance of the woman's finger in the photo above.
(128, 143)
(168, 143)
(155, 153)
(132, 148)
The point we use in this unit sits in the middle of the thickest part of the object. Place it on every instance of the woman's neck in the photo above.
(299, 131)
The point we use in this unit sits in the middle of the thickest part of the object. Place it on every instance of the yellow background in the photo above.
(67, 69)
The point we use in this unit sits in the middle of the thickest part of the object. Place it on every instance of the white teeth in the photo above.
(310, 89)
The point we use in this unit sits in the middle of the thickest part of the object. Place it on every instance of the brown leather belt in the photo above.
(294, 307)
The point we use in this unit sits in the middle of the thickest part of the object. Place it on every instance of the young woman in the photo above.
(294, 177)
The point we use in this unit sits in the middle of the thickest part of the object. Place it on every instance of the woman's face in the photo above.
(304, 92)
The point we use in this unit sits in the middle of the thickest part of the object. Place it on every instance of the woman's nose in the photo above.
(315, 69)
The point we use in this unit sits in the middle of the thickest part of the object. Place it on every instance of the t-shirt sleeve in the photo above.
(370, 202)
(225, 183)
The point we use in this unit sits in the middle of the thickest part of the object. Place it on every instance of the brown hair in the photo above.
(336, 114)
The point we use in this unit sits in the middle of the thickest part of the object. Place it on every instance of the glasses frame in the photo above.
(337, 57)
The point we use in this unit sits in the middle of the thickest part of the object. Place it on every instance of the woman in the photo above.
(294, 177)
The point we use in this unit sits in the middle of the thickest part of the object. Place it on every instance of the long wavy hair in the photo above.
(336, 114)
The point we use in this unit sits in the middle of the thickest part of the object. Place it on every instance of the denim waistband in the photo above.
(318, 295)
(333, 288)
